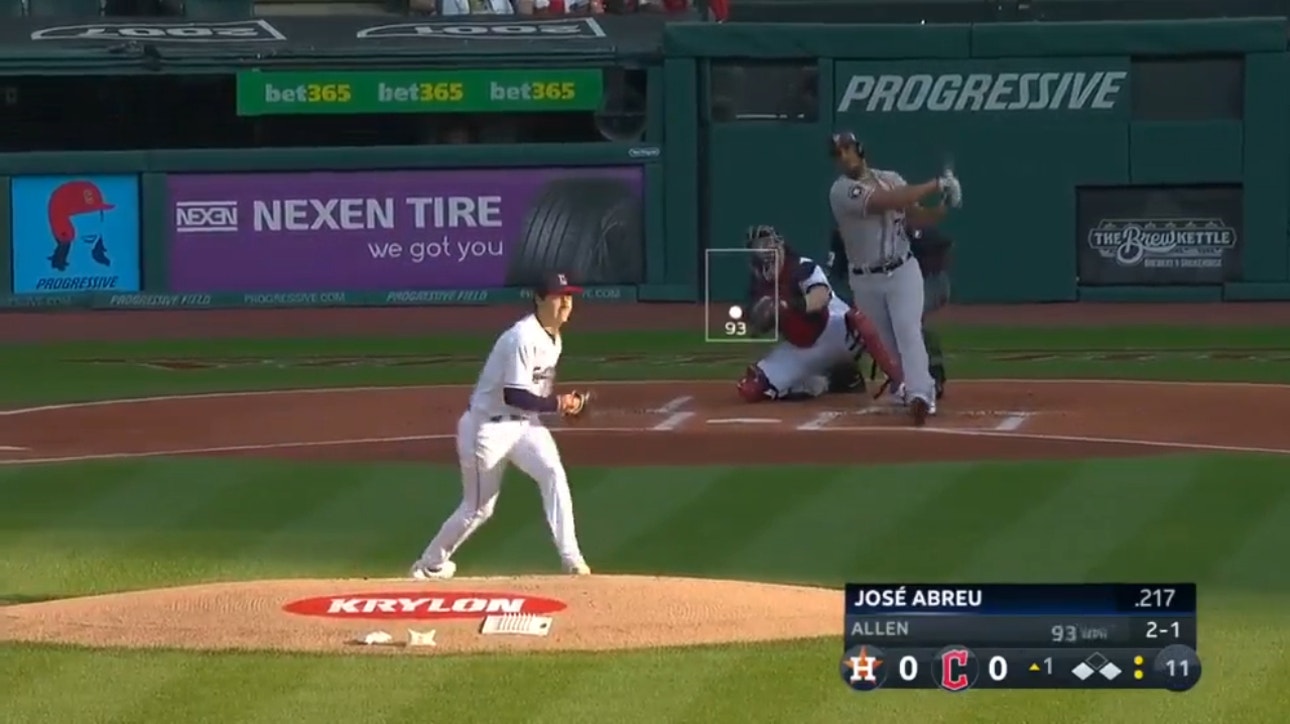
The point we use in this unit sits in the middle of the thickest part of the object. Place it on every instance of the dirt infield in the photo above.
(656, 423)
(673, 423)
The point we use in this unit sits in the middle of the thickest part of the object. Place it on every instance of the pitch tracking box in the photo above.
(726, 303)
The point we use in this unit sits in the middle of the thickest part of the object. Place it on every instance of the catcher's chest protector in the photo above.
(800, 329)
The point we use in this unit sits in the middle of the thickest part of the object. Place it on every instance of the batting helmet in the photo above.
(844, 139)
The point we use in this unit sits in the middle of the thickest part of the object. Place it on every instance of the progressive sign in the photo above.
(395, 91)
(1006, 86)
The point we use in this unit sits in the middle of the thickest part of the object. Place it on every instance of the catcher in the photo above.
(821, 337)
(502, 426)
(932, 248)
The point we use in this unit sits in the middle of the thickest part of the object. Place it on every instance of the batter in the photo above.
(502, 426)
(822, 337)
(871, 209)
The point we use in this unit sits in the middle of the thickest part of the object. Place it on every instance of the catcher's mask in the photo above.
(767, 241)
(845, 139)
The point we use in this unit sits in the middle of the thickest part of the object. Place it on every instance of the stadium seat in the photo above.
(219, 9)
(64, 8)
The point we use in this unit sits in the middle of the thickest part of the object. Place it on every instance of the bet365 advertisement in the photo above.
(75, 234)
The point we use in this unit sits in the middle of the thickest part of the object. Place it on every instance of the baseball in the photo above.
(736, 312)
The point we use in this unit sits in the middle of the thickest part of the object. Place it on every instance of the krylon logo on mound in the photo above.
(990, 92)
(241, 31)
(414, 605)
(507, 30)
(1164, 243)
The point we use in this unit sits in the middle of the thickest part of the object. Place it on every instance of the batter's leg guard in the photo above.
(754, 387)
(936, 359)
(864, 330)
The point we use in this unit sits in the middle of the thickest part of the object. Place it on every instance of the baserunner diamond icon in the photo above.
(1110, 671)
(1097, 660)
(1082, 671)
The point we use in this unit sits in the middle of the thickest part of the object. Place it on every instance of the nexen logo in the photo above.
(204, 216)
(454, 604)
(1050, 91)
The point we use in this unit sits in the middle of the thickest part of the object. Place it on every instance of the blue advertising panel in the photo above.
(75, 234)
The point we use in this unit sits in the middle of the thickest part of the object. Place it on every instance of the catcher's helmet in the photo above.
(764, 238)
(844, 139)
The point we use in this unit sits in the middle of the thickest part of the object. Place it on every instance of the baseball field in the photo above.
(185, 497)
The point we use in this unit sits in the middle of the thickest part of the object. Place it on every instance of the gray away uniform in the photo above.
(885, 280)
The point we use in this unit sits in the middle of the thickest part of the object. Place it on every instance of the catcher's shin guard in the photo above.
(754, 387)
(864, 330)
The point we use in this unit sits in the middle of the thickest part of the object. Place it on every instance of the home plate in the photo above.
(745, 421)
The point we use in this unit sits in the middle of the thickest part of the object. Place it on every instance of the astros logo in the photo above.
(862, 668)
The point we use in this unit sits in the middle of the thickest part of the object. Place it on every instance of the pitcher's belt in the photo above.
(501, 418)
(882, 267)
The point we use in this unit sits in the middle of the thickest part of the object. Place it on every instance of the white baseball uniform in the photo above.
(492, 434)
(794, 370)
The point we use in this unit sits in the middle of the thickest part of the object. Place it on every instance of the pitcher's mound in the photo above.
(588, 613)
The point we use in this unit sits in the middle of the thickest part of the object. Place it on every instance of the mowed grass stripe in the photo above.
(1262, 562)
(1206, 522)
(355, 689)
(255, 498)
(1096, 507)
(92, 686)
(870, 502)
(372, 524)
(88, 548)
(223, 687)
(726, 516)
(940, 537)
(612, 507)
(35, 496)
(608, 688)
(775, 683)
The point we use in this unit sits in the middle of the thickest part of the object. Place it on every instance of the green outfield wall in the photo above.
(1135, 161)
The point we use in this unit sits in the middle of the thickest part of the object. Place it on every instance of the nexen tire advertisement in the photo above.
(406, 230)
(588, 226)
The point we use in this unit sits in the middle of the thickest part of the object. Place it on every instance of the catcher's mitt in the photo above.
(583, 398)
(761, 318)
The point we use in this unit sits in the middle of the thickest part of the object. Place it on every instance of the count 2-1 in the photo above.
(1155, 598)
(1155, 630)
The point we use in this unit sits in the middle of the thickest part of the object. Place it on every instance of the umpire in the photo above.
(932, 248)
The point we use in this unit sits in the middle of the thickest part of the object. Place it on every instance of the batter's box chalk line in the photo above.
(943, 412)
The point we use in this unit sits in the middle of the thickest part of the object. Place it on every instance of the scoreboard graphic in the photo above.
(1007, 636)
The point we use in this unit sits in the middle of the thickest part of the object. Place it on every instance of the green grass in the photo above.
(1220, 520)
(64, 372)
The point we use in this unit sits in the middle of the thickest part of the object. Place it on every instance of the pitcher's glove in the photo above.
(761, 318)
(576, 404)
